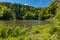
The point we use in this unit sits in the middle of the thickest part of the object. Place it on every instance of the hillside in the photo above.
(10, 11)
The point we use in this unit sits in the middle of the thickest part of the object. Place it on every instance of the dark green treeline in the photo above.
(10, 11)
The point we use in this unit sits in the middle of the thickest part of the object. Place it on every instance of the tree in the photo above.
(8, 14)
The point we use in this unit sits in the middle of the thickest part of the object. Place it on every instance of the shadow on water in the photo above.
(20, 23)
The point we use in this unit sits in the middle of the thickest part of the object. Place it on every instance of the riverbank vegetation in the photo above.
(44, 31)
(47, 30)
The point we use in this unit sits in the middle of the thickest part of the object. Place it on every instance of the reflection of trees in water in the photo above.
(21, 23)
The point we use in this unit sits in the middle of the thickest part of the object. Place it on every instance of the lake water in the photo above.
(20, 23)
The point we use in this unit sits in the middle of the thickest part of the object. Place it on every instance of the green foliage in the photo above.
(48, 30)
(8, 14)
(17, 11)
(44, 31)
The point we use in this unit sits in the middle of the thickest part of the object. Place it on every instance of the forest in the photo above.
(9, 11)
(49, 29)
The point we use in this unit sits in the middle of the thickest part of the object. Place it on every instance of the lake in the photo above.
(21, 23)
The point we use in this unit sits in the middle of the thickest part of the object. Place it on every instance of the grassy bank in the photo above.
(45, 31)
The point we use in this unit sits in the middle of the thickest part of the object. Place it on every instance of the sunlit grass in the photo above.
(36, 32)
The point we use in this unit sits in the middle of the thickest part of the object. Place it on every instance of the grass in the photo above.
(45, 31)
(36, 32)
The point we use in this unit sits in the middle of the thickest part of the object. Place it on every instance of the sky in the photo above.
(34, 3)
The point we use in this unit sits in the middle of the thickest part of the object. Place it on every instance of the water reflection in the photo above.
(20, 23)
